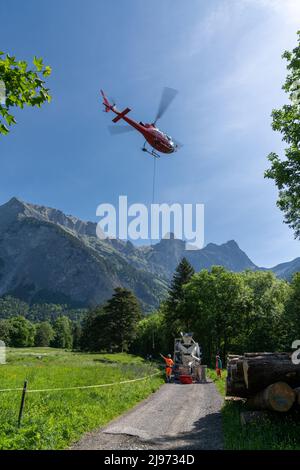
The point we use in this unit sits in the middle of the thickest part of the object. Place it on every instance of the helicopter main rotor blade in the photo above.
(167, 97)
(117, 130)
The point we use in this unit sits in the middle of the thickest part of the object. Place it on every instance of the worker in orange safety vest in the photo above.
(169, 364)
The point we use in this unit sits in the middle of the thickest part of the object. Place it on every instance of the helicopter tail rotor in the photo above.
(107, 105)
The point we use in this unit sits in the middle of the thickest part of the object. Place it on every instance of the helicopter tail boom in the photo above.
(121, 115)
(111, 107)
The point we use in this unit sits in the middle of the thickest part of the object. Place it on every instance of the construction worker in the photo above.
(169, 364)
(218, 366)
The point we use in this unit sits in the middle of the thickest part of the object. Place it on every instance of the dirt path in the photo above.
(175, 417)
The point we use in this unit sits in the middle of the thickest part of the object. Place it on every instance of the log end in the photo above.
(281, 397)
(278, 397)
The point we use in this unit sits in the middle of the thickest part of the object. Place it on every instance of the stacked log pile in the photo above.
(267, 380)
(297, 391)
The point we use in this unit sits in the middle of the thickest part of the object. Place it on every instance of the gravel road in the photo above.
(181, 417)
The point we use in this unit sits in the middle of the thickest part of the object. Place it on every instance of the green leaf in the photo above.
(10, 119)
(38, 62)
(47, 71)
(3, 129)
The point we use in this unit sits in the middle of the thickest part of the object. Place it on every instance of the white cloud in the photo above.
(288, 10)
(252, 86)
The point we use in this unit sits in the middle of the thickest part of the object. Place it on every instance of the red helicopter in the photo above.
(158, 140)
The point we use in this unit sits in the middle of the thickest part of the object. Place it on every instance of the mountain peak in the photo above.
(15, 202)
(232, 244)
(11, 211)
(15, 208)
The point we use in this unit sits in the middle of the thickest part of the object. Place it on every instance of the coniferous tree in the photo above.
(123, 314)
(182, 275)
(173, 308)
(94, 334)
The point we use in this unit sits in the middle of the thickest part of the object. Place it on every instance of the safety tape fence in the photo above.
(78, 387)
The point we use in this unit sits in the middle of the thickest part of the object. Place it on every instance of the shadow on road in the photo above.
(206, 435)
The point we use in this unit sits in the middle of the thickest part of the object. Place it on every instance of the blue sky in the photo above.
(224, 56)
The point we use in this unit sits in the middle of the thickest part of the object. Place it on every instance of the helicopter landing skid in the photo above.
(152, 153)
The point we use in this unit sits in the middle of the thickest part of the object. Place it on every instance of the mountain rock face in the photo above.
(166, 255)
(287, 270)
(47, 256)
(50, 257)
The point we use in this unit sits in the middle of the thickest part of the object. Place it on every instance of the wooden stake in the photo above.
(22, 403)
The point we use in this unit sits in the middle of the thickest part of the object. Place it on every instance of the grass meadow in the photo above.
(55, 419)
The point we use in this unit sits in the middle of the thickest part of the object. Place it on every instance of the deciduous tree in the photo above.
(286, 120)
(20, 86)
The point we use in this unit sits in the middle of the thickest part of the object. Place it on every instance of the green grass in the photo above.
(276, 432)
(219, 382)
(53, 420)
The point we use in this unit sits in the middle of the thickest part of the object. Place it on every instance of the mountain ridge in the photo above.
(47, 255)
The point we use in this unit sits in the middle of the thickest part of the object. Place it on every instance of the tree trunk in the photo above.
(276, 397)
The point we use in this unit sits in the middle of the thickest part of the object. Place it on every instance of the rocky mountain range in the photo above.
(47, 256)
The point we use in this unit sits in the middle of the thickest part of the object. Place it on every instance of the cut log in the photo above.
(235, 366)
(232, 357)
(276, 397)
(253, 372)
(235, 385)
(297, 391)
(267, 354)
(235, 399)
(261, 371)
(236, 389)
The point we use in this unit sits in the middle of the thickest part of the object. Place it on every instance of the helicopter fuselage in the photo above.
(154, 136)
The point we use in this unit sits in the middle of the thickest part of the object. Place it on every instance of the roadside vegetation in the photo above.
(53, 420)
(275, 432)
(228, 312)
(220, 383)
